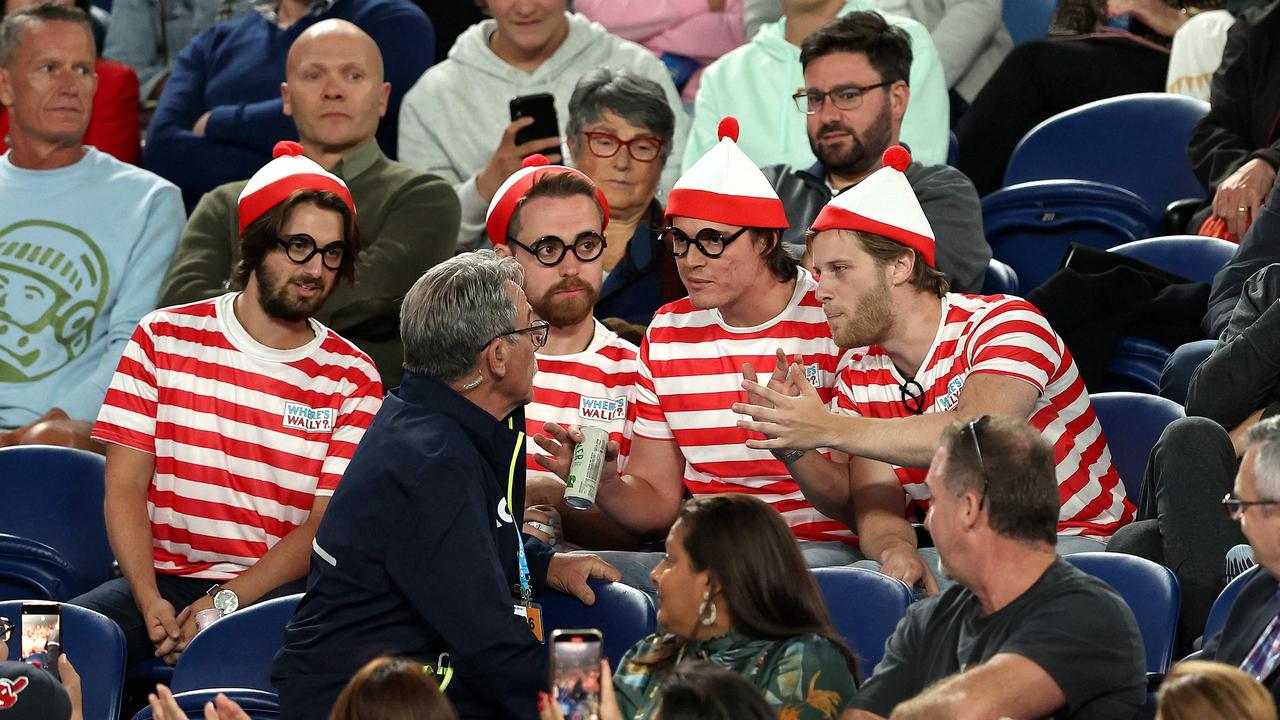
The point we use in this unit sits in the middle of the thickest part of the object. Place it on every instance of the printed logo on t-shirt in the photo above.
(308, 419)
(949, 400)
(604, 409)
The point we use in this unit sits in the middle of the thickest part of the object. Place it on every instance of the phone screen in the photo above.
(41, 634)
(575, 659)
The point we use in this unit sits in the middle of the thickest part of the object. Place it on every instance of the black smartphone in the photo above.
(575, 672)
(542, 108)
(42, 635)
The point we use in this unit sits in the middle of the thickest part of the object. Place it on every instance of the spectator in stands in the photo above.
(222, 111)
(72, 287)
(230, 421)
(408, 220)
(552, 220)
(113, 119)
(922, 357)
(1041, 78)
(747, 297)
(1196, 459)
(1201, 690)
(1248, 638)
(850, 125)
(439, 475)
(755, 82)
(1235, 149)
(455, 122)
(686, 35)
(733, 589)
(970, 37)
(28, 692)
(1258, 249)
(392, 688)
(165, 707)
(620, 132)
(147, 35)
(1022, 633)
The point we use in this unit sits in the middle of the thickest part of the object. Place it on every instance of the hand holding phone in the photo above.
(575, 672)
(41, 635)
(510, 153)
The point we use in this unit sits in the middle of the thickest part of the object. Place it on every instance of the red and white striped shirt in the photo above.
(592, 387)
(244, 436)
(690, 377)
(1003, 335)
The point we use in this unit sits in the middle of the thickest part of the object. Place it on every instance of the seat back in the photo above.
(1132, 423)
(29, 569)
(865, 607)
(1222, 606)
(1194, 257)
(1028, 19)
(1029, 226)
(1150, 590)
(1000, 279)
(1180, 366)
(1137, 142)
(237, 650)
(54, 495)
(95, 646)
(622, 613)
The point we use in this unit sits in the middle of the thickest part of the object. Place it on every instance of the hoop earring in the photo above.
(708, 618)
(474, 383)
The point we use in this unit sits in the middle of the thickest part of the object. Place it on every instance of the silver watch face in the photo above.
(226, 601)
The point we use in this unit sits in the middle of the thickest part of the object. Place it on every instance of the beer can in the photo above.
(206, 617)
(584, 468)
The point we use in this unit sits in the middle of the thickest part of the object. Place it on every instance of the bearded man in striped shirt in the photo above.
(230, 421)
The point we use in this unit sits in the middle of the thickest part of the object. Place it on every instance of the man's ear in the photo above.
(899, 98)
(386, 98)
(502, 250)
(495, 357)
(902, 268)
(284, 93)
(6, 91)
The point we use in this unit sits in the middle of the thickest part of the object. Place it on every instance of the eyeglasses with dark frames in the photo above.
(549, 250)
(1235, 507)
(301, 247)
(6, 629)
(642, 148)
(912, 397)
(844, 97)
(710, 241)
(973, 427)
(537, 332)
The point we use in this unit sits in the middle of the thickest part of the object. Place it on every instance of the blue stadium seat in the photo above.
(865, 607)
(1151, 591)
(1028, 19)
(624, 614)
(1137, 142)
(1000, 279)
(1194, 257)
(257, 704)
(1222, 606)
(1181, 365)
(95, 647)
(1132, 423)
(53, 495)
(1030, 225)
(237, 650)
(29, 569)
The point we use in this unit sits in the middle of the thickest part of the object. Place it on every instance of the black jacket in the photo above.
(416, 556)
(1244, 115)
(1243, 372)
(1259, 248)
(948, 199)
(1255, 607)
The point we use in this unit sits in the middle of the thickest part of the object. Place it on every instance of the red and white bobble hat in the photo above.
(513, 190)
(883, 204)
(288, 172)
(724, 186)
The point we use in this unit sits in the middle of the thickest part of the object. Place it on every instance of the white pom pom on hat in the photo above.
(288, 172)
(512, 191)
(883, 204)
(725, 186)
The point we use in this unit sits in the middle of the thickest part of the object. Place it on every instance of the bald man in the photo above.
(335, 93)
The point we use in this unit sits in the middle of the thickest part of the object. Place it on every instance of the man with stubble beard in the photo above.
(855, 95)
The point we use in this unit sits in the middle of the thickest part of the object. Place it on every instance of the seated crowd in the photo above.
(343, 328)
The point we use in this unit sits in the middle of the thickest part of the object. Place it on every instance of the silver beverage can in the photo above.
(584, 468)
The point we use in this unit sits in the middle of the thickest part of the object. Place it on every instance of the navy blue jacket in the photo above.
(416, 555)
(1255, 607)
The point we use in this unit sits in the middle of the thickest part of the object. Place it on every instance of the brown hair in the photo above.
(884, 251)
(262, 234)
(392, 689)
(1200, 690)
(750, 553)
(552, 185)
(1016, 472)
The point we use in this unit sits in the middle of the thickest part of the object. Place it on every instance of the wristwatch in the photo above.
(788, 456)
(225, 600)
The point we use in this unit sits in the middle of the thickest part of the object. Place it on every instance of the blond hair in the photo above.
(1200, 690)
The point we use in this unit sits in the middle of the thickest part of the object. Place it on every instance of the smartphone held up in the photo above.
(575, 672)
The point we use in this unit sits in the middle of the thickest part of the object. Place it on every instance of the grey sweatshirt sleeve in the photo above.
(953, 209)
